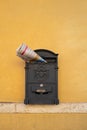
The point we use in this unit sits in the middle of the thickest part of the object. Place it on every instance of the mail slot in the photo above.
(41, 79)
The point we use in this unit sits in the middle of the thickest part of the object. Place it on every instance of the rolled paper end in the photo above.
(42, 60)
(28, 54)
(38, 59)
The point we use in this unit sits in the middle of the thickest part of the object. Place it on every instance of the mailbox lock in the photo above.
(41, 85)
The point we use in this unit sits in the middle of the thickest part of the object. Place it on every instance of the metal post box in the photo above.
(41, 79)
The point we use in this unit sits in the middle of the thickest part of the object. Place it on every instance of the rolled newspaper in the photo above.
(27, 54)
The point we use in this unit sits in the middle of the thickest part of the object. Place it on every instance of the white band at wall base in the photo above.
(61, 108)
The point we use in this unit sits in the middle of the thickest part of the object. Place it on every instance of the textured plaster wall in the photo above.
(60, 26)
(43, 121)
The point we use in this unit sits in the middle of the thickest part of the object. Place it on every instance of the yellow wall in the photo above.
(57, 25)
(43, 122)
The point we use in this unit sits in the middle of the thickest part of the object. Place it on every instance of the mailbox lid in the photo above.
(46, 53)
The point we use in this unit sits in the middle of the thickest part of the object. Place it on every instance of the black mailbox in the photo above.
(41, 79)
